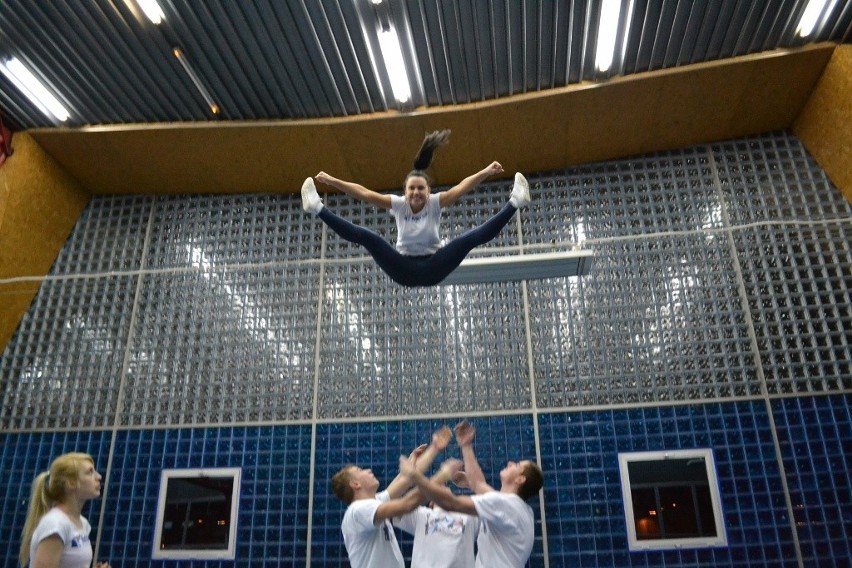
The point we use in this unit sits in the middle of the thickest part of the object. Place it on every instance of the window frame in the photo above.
(228, 553)
(721, 538)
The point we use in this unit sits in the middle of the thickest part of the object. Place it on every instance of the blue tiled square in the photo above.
(814, 435)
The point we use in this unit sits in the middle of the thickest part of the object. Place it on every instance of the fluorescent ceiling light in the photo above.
(392, 54)
(29, 85)
(627, 21)
(810, 16)
(152, 10)
(214, 108)
(607, 32)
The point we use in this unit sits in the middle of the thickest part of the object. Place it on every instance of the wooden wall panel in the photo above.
(39, 206)
(641, 113)
(825, 124)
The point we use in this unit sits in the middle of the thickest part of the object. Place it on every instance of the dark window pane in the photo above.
(197, 513)
(678, 512)
(645, 514)
(671, 498)
(705, 511)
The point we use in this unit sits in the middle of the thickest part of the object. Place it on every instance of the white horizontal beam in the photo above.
(521, 267)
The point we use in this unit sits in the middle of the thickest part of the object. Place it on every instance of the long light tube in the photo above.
(627, 21)
(34, 90)
(392, 54)
(152, 10)
(810, 16)
(214, 108)
(607, 32)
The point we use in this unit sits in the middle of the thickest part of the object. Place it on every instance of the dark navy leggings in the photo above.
(418, 270)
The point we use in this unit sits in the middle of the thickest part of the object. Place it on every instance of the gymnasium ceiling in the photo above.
(301, 85)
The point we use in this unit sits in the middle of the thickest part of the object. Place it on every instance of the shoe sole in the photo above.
(308, 188)
(522, 181)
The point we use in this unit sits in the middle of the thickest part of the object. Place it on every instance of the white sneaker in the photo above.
(520, 192)
(311, 201)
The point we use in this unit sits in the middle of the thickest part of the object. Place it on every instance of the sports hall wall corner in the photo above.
(221, 331)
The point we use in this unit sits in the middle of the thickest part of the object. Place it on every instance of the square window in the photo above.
(671, 500)
(197, 514)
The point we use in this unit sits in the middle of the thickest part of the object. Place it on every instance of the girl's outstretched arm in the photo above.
(355, 190)
(453, 194)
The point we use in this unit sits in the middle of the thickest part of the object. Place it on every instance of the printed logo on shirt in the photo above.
(79, 541)
(444, 524)
(418, 217)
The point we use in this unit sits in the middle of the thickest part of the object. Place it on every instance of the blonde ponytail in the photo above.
(39, 505)
(49, 489)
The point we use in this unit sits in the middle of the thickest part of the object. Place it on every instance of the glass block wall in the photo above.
(235, 331)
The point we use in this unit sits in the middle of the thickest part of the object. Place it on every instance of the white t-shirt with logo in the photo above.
(417, 233)
(442, 539)
(367, 544)
(77, 552)
(506, 530)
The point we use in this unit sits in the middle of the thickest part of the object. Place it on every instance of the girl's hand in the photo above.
(102, 565)
(417, 452)
(460, 479)
(465, 433)
(323, 177)
(494, 169)
(441, 438)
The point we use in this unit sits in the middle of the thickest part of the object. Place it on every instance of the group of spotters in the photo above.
(499, 521)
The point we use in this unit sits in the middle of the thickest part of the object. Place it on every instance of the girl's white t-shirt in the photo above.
(417, 233)
(78, 549)
(442, 539)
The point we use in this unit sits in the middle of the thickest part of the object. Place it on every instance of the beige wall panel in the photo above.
(194, 158)
(546, 130)
(40, 205)
(15, 299)
(825, 124)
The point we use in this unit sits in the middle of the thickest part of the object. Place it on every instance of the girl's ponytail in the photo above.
(427, 150)
(40, 503)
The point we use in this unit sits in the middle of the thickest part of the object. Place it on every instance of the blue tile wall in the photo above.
(273, 508)
(583, 499)
(814, 435)
(582, 496)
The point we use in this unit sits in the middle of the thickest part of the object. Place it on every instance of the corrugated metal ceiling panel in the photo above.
(304, 59)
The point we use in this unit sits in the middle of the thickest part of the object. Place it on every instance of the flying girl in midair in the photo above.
(418, 259)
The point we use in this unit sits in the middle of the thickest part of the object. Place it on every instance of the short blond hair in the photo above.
(340, 484)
